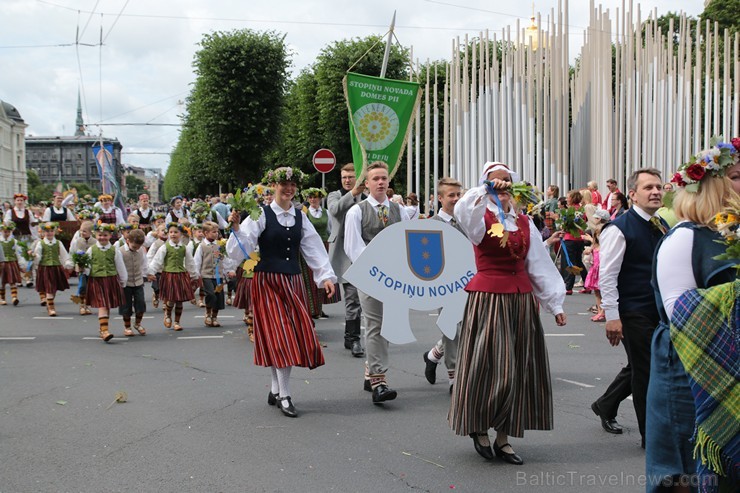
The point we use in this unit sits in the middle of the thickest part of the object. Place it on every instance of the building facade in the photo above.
(154, 180)
(12, 152)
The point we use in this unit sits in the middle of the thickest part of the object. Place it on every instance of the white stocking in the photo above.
(283, 375)
(274, 386)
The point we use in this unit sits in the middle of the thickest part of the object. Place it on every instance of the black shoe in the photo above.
(272, 399)
(382, 393)
(357, 350)
(511, 458)
(609, 425)
(430, 371)
(347, 343)
(288, 411)
(451, 385)
(323, 315)
(483, 450)
(367, 386)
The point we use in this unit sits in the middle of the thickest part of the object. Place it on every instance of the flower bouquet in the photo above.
(572, 220)
(81, 260)
(200, 210)
(220, 255)
(728, 225)
(246, 201)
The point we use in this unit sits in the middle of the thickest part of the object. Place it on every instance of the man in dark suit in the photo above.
(338, 203)
(627, 245)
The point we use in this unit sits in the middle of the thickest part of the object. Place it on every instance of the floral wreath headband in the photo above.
(157, 216)
(105, 196)
(49, 226)
(128, 227)
(85, 214)
(105, 227)
(283, 174)
(179, 226)
(9, 226)
(713, 162)
(313, 192)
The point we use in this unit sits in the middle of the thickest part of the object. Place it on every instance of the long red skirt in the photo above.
(10, 273)
(175, 286)
(50, 279)
(283, 330)
(242, 298)
(104, 292)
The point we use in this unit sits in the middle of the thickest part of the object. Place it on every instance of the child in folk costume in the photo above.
(109, 213)
(106, 277)
(196, 232)
(209, 264)
(157, 220)
(161, 234)
(176, 264)
(51, 259)
(82, 242)
(124, 229)
(320, 220)
(10, 272)
(24, 231)
(284, 332)
(137, 266)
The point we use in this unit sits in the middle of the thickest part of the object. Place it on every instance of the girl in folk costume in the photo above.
(160, 232)
(196, 231)
(107, 276)
(24, 230)
(157, 219)
(51, 259)
(283, 329)
(320, 220)
(144, 212)
(58, 210)
(178, 211)
(109, 213)
(176, 264)
(84, 240)
(503, 375)
(209, 264)
(10, 272)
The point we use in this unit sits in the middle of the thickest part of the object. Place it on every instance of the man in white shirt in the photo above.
(627, 247)
(362, 223)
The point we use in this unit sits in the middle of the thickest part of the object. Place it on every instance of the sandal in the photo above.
(208, 322)
(105, 335)
(167, 322)
(214, 323)
(141, 330)
(128, 332)
(88, 311)
(177, 326)
(599, 318)
(82, 310)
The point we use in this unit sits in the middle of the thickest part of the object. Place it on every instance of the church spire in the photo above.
(79, 124)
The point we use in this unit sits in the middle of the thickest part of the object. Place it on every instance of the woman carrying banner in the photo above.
(503, 374)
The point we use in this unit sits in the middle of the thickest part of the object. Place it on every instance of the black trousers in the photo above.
(575, 253)
(637, 329)
(133, 301)
(618, 390)
(213, 299)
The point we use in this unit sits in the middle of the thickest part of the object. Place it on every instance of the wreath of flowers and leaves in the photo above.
(313, 191)
(7, 226)
(200, 210)
(713, 161)
(283, 174)
(105, 227)
(49, 226)
(85, 214)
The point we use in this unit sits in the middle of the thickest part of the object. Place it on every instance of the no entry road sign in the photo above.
(324, 160)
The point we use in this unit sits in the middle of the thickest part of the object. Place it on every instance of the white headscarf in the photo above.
(495, 166)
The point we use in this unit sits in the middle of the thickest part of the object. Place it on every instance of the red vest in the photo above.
(498, 270)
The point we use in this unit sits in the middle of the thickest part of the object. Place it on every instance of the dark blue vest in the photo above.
(280, 245)
(708, 272)
(633, 284)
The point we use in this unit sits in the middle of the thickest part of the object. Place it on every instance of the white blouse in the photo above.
(547, 284)
(674, 273)
(312, 247)
(118, 259)
(64, 257)
(157, 263)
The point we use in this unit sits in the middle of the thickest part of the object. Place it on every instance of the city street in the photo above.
(196, 417)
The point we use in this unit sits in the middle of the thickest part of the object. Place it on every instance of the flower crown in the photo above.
(49, 226)
(84, 214)
(105, 227)
(285, 173)
(20, 196)
(158, 215)
(713, 161)
(105, 196)
(313, 192)
(8, 226)
(179, 226)
(128, 227)
(196, 227)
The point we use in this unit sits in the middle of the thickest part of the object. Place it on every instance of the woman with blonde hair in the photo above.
(685, 260)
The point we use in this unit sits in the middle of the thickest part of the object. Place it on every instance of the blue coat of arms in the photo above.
(425, 254)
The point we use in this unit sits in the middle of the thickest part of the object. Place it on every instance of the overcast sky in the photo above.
(144, 70)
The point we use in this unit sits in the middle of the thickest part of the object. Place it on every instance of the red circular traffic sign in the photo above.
(324, 160)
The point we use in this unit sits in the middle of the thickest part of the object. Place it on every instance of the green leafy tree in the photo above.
(724, 12)
(134, 187)
(37, 192)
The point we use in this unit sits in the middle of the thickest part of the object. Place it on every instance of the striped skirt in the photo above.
(314, 297)
(283, 330)
(175, 286)
(503, 372)
(10, 273)
(50, 279)
(242, 297)
(104, 292)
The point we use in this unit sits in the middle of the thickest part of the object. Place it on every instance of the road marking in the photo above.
(576, 383)
(220, 316)
(53, 318)
(121, 318)
(201, 337)
(126, 339)
(17, 338)
(563, 335)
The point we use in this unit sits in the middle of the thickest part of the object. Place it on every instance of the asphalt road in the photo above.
(197, 419)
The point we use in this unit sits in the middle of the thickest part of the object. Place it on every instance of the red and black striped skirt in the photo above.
(283, 330)
(175, 286)
(10, 272)
(242, 297)
(50, 279)
(104, 292)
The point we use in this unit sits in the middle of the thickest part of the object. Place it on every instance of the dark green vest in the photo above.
(50, 254)
(321, 224)
(103, 262)
(174, 260)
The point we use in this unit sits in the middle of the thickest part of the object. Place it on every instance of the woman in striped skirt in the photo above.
(106, 276)
(175, 262)
(503, 374)
(283, 329)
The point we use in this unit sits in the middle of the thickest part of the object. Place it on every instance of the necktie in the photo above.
(657, 224)
(383, 214)
(453, 223)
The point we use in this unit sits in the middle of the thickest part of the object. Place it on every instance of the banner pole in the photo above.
(387, 53)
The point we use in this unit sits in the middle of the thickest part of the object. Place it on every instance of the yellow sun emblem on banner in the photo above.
(376, 125)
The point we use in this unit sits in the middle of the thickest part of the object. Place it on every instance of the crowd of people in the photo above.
(280, 259)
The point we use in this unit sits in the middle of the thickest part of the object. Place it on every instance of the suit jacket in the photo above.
(338, 205)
